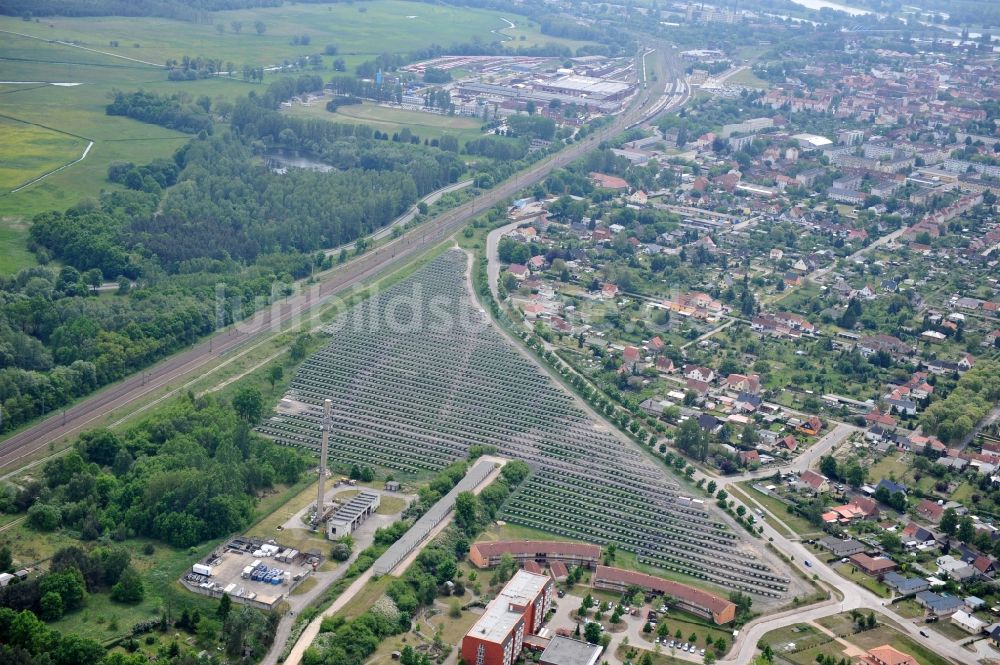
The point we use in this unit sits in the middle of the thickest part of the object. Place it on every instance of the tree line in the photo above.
(176, 9)
(185, 475)
(166, 110)
(224, 219)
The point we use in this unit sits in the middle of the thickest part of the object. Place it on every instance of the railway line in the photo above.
(91, 410)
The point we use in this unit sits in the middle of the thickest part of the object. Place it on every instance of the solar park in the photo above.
(414, 395)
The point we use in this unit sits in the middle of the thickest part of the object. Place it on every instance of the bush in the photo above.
(44, 517)
(129, 588)
(342, 548)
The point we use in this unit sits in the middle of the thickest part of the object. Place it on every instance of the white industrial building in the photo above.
(349, 516)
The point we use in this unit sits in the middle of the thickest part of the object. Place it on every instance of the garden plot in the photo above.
(417, 375)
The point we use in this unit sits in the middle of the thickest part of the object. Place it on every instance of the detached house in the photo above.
(811, 427)
(814, 481)
(744, 384)
(699, 373)
(930, 510)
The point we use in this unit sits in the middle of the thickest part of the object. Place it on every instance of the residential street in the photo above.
(853, 596)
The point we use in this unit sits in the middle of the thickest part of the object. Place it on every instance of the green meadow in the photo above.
(28, 151)
(45, 126)
(389, 119)
(370, 28)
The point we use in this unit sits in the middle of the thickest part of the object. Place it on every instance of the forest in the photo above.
(187, 474)
(168, 111)
(223, 218)
(953, 417)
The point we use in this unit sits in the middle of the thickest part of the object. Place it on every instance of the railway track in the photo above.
(88, 412)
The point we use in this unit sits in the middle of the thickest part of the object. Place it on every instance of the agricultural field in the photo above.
(28, 151)
(75, 111)
(391, 120)
(397, 405)
(108, 53)
(365, 29)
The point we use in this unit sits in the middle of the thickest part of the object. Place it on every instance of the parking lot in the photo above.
(565, 618)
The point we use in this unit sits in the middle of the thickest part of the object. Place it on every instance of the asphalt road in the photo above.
(854, 596)
(332, 283)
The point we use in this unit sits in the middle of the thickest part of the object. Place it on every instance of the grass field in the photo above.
(525, 33)
(388, 119)
(27, 151)
(868, 582)
(31, 52)
(662, 658)
(801, 643)
(799, 525)
(367, 29)
(747, 78)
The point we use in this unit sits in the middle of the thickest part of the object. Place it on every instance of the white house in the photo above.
(967, 622)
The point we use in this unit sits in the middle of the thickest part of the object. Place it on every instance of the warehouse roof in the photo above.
(566, 651)
(358, 504)
(588, 85)
(547, 548)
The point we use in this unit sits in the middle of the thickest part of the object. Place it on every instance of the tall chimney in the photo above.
(327, 404)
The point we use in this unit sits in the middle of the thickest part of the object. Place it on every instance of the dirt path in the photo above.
(84, 48)
(86, 151)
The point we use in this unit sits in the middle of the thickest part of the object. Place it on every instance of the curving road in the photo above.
(852, 595)
(331, 284)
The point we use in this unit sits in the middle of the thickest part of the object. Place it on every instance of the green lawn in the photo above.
(801, 643)
(388, 119)
(779, 509)
(747, 78)
(637, 653)
(751, 502)
(689, 625)
(868, 582)
(843, 624)
(886, 635)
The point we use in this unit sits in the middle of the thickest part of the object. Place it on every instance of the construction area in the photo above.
(252, 572)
